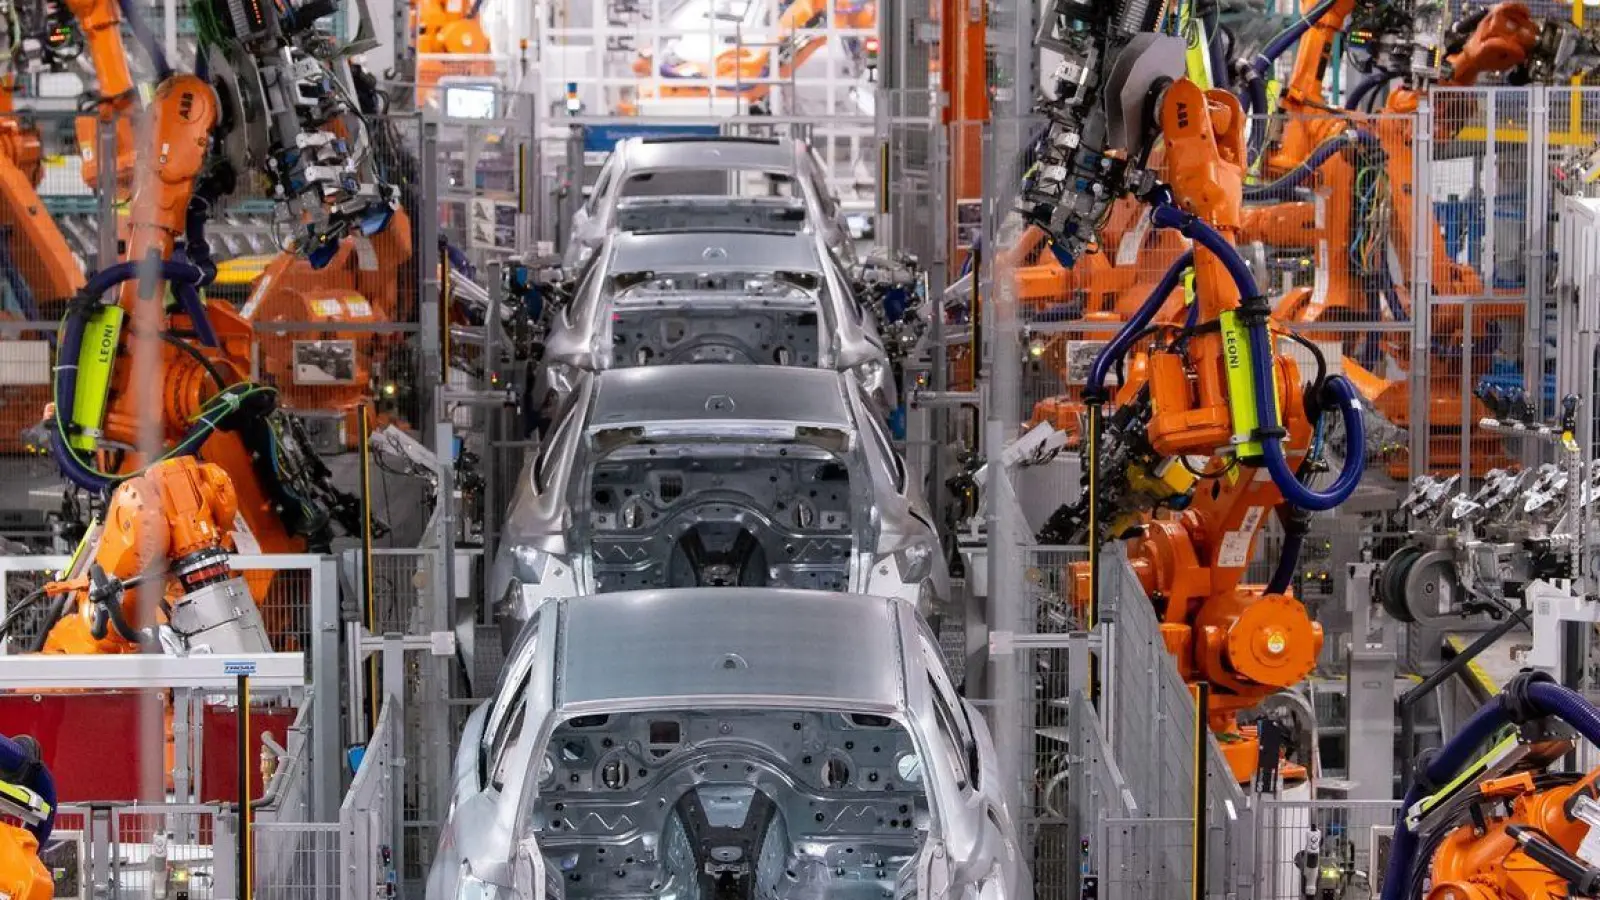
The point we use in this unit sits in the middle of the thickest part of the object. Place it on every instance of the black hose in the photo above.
(21, 606)
(57, 606)
(1316, 354)
(198, 357)
(114, 613)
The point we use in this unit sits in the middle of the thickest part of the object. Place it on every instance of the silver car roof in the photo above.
(787, 394)
(770, 156)
(783, 644)
(722, 251)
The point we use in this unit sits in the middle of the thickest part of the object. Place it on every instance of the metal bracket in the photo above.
(1006, 643)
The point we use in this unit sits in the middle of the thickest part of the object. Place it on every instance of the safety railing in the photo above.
(411, 638)
(1321, 847)
(370, 844)
(123, 851)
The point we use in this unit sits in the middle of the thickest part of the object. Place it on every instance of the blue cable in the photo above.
(1344, 393)
(1117, 347)
(1544, 698)
(16, 758)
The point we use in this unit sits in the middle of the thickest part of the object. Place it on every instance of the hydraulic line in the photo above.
(1094, 383)
(1212, 19)
(1366, 86)
(1288, 561)
(182, 277)
(1255, 77)
(1278, 188)
(1256, 107)
(1287, 38)
(1269, 433)
(1526, 697)
(16, 758)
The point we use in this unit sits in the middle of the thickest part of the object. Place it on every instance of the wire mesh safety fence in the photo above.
(652, 58)
(1147, 857)
(438, 694)
(131, 851)
(298, 861)
(284, 586)
(368, 816)
(1322, 848)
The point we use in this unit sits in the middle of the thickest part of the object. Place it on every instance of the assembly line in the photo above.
(799, 450)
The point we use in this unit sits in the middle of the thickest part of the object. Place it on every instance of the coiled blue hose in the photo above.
(14, 758)
(1095, 382)
(1277, 465)
(1546, 698)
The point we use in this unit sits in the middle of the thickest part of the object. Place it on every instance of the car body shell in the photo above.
(712, 296)
(701, 654)
(561, 534)
(633, 157)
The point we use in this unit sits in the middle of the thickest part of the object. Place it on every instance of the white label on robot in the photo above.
(366, 257)
(1128, 249)
(1589, 847)
(256, 296)
(243, 540)
(1235, 549)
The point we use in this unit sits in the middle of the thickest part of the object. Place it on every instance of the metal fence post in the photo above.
(1538, 239)
(106, 150)
(394, 689)
(1421, 282)
(102, 839)
(1007, 591)
(428, 244)
(326, 784)
(224, 851)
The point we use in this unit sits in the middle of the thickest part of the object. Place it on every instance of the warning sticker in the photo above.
(1235, 549)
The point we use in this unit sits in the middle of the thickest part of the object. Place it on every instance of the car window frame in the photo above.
(559, 435)
(508, 699)
(947, 703)
(602, 184)
(897, 465)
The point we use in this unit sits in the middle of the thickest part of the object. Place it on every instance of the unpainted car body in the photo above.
(715, 296)
(712, 744)
(688, 181)
(677, 476)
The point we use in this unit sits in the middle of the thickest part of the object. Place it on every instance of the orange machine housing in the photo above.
(37, 250)
(359, 286)
(23, 875)
(1500, 41)
(1489, 864)
(175, 509)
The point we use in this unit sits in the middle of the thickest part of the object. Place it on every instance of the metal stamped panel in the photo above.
(693, 643)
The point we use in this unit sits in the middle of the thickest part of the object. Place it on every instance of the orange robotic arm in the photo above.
(1245, 642)
(55, 274)
(1303, 98)
(101, 23)
(172, 524)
